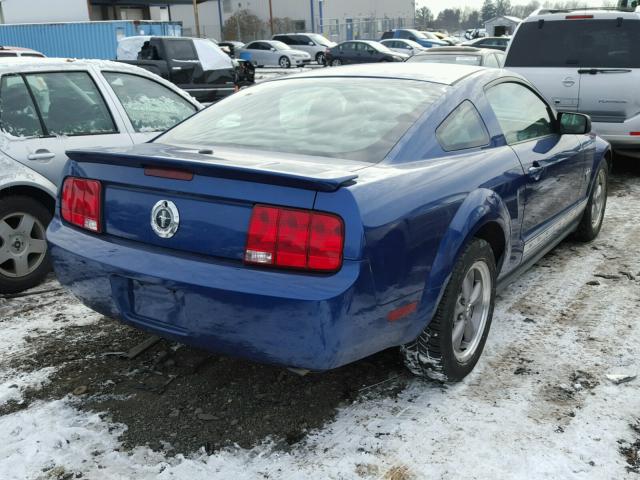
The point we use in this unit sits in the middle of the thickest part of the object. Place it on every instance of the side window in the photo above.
(303, 40)
(251, 46)
(403, 34)
(70, 104)
(490, 61)
(150, 106)
(18, 115)
(462, 129)
(181, 50)
(521, 113)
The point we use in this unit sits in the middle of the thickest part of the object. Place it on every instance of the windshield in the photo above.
(320, 40)
(329, 117)
(279, 45)
(448, 58)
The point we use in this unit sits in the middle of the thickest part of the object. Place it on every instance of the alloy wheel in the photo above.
(598, 199)
(471, 311)
(22, 244)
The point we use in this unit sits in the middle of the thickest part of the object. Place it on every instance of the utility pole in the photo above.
(271, 17)
(196, 17)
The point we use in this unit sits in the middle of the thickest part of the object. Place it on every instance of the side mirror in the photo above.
(311, 44)
(272, 49)
(574, 123)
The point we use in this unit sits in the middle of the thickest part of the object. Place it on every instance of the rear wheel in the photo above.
(320, 58)
(24, 256)
(336, 62)
(284, 62)
(591, 222)
(451, 344)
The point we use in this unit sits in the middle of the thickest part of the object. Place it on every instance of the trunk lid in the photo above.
(214, 204)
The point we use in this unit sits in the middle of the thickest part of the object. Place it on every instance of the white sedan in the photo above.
(405, 46)
(268, 53)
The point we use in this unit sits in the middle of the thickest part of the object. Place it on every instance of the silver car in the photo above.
(585, 61)
(402, 45)
(49, 106)
(271, 53)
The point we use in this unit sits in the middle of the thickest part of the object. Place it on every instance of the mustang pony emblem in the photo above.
(165, 219)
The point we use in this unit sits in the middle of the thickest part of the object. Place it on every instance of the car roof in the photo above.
(603, 13)
(446, 74)
(11, 64)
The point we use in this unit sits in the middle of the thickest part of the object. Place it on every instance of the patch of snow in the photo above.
(14, 384)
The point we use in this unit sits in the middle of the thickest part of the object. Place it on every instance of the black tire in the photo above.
(284, 62)
(10, 280)
(432, 354)
(589, 227)
(320, 58)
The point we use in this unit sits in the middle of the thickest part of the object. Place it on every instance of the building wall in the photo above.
(39, 11)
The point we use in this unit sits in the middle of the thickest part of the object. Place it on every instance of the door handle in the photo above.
(41, 155)
(568, 82)
(176, 68)
(535, 171)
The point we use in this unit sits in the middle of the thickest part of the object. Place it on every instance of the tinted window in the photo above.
(463, 128)
(446, 58)
(576, 43)
(151, 107)
(284, 39)
(252, 46)
(386, 35)
(181, 50)
(294, 116)
(521, 113)
(8, 54)
(18, 115)
(32, 55)
(70, 104)
(302, 40)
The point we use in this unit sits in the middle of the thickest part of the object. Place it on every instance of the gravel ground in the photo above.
(540, 403)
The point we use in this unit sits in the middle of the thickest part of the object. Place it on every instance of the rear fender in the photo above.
(481, 207)
(14, 174)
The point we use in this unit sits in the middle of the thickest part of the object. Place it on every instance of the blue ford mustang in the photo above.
(313, 220)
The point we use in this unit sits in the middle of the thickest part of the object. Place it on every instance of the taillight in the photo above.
(294, 238)
(81, 203)
(578, 17)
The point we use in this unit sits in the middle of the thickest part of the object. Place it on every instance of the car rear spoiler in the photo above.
(325, 182)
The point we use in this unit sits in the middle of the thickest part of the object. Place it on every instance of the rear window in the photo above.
(330, 117)
(433, 58)
(602, 43)
(181, 50)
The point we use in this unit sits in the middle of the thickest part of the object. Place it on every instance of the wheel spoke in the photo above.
(4, 255)
(467, 286)
(22, 265)
(37, 246)
(476, 293)
(26, 225)
(5, 230)
(457, 334)
(469, 330)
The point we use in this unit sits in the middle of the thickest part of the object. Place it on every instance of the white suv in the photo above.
(586, 61)
(312, 43)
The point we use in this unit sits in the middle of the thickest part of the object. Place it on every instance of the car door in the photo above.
(148, 106)
(348, 52)
(182, 59)
(255, 53)
(53, 112)
(554, 165)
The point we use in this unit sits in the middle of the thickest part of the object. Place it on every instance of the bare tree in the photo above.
(242, 25)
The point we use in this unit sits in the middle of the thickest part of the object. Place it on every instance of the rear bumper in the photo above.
(618, 134)
(313, 322)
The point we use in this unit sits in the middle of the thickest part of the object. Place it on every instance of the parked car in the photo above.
(271, 53)
(19, 52)
(48, 106)
(249, 231)
(362, 51)
(196, 65)
(444, 37)
(495, 43)
(483, 57)
(312, 43)
(586, 61)
(472, 33)
(426, 39)
(408, 47)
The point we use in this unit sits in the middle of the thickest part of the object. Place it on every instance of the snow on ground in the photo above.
(538, 405)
